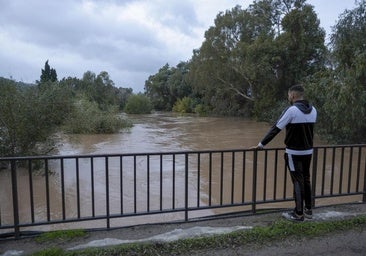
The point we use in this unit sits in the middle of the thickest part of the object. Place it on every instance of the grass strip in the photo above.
(278, 230)
(60, 235)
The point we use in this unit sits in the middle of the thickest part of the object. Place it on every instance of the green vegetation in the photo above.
(31, 115)
(183, 105)
(258, 236)
(50, 252)
(60, 235)
(340, 92)
(48, 74)
(56, 237)
(168, 85)
(89, 118)
(138, 104)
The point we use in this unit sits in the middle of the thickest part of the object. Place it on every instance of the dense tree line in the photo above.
(31, 115)
(250, 57)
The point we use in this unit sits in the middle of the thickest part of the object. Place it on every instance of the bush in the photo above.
(138, 104)
(87, 118)
(183, 105)
(30, 115)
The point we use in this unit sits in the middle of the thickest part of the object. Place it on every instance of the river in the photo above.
(161, 132)
(157, 132)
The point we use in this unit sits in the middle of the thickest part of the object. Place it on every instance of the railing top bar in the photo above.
(341, 146)
(131, 154)
(162, 153)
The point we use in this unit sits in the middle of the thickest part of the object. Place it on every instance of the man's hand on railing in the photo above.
(258, 147)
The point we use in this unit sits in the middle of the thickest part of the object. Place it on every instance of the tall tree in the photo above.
(178, 83)
(48, 74)
(157, 89)
(168, 85)
(216, 71)
(105, 94)
(341, 92)
(250, 57)
(302, 42)
(348, 42)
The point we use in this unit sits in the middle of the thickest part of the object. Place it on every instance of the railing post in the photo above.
(364, 184)
(14, 186)
(313, 178)
(254, 191)
(186, 188)
(107, 192)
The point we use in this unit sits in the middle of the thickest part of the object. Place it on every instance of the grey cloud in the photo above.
(62, 23)
(59, 25)
(180, 15)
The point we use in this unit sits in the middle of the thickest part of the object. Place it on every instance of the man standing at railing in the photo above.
(299, 120)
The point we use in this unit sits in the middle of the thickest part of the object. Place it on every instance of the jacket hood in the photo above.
(304, 106)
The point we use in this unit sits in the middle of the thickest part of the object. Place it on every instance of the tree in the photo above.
(302, 41)
(96, 102)
(168, 85)
(138, 104)
(100, 88)
(215, 69)
(48, 74)
(178, 83)
(251, 57)
(340, 93)
(299, 52)
(29, 117)
(157, 89)
(122, 95)
(348, 43)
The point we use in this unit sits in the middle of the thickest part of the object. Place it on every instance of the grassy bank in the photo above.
(277, 231)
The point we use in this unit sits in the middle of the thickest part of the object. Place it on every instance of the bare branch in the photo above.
(232, 87)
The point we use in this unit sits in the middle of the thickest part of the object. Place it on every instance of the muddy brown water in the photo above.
(158, 132)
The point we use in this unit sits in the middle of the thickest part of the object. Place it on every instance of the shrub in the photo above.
(138, 104)
(183, 105)
(87, 118)
(30, 115)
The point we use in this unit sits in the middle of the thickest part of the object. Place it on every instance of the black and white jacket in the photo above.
(299, 120)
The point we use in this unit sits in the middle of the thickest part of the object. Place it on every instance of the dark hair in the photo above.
(297, 88)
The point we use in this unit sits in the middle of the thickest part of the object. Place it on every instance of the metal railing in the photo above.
(116, 190)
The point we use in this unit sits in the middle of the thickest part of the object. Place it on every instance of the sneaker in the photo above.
(293, 216)
(308, 213)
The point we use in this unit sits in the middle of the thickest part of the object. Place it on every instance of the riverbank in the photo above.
(340, 242)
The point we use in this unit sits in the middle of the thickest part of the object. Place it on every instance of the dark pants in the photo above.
(299, 167)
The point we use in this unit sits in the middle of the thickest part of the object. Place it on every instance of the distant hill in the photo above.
(18, 83)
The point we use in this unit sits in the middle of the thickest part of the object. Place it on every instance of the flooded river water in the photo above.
(157, 132)
(169, 132)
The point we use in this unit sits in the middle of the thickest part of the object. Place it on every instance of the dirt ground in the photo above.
(340, 243)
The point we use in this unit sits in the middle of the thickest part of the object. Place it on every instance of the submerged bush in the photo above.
(87, 118)
(138, 104)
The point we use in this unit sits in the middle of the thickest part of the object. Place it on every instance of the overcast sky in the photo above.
(130, 39)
